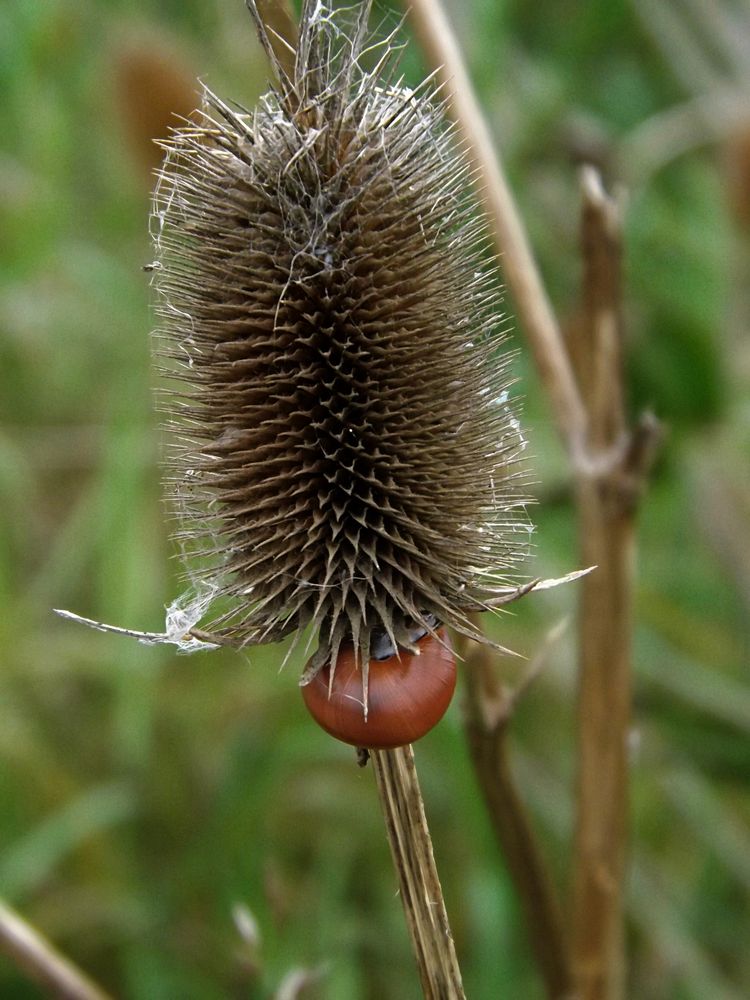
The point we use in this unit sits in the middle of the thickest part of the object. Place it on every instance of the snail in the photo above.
(408, 692)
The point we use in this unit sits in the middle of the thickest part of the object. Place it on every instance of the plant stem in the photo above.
(421, 894)
(519, 267)
(31, 952)
(607, 492)
(488, 710)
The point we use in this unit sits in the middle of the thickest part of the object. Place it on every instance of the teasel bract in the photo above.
(347, 457)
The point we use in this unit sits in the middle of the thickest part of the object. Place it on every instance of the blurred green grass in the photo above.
(144, 796)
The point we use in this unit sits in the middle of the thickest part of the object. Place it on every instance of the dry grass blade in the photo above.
(421, 894)
(26, 947)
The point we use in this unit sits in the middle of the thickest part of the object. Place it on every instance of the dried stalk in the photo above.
(488, 709)
(520, 270)
(421, 894)
(26, 947)
(606, 535)
(607, 493)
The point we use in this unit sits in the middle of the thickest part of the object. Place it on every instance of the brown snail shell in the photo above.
(408, 694)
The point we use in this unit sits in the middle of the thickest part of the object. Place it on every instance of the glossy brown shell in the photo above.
(407, 695)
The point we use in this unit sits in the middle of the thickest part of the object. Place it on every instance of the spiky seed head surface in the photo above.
(347, 456)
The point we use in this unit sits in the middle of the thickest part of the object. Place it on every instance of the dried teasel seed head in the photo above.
(347, 457)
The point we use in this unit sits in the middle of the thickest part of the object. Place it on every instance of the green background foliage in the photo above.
(145, 797)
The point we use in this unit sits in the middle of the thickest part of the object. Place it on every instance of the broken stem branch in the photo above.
(488, 709)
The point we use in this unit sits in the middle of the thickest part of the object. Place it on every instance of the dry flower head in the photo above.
(347, 456)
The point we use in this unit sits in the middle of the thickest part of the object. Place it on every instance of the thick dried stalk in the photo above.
(607, 492)
(520, 269)
(421, 894)
(488, 710)
(603, 713)
(26, 947)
